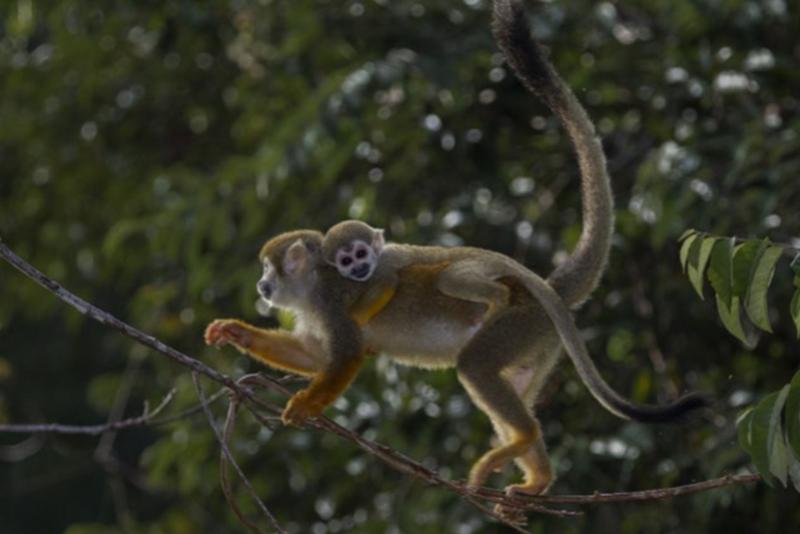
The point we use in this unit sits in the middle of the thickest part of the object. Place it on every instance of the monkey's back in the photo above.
(420, 323)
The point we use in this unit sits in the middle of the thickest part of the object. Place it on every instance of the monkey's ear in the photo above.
(378, 241)
(296, 259)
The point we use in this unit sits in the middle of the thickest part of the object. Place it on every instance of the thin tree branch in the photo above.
(228, 456)
(105, 444)
(626, 496)
(224, 465)
(533, 502)
(393, 458)
(146, 419)
(57, 428)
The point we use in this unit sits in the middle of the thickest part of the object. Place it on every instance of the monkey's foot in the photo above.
(483, 468)
(223, 331)
(537, 487)
(497, 458)
(299, 408)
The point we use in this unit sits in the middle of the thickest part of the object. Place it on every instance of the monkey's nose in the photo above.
(361, 272)
(264, 289)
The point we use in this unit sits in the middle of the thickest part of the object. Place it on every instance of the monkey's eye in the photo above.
(361, 253)
(347, 260)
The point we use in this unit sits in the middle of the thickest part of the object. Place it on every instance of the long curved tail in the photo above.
(571, 283)
(578, 353)
(576, 278)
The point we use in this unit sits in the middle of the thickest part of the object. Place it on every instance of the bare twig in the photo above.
(626, 496)
(228, 456)
(395, 459)
(106, 442)
(146, 419)
(224, 471)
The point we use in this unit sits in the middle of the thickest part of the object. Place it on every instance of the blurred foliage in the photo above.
(148, 148)
(740, 275)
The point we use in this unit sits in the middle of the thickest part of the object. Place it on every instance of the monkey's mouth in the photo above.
(360, 272)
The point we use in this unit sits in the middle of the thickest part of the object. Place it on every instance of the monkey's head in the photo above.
(353, 247)
(290, 262)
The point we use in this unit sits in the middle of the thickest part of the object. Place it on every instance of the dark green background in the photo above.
(148, 148)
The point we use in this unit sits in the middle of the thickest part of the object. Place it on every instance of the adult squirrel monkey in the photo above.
(428, 306)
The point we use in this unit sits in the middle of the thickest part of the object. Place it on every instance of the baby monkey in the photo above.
(359, 251)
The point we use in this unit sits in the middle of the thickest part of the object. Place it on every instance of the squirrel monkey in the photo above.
(429, 308)
(359, 251)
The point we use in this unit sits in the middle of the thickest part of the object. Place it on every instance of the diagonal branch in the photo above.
(393, 458)
(107, 319)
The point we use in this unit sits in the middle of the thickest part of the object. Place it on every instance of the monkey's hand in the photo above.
(222, 332)
(301, 407)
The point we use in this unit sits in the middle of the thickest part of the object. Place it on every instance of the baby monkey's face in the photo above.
(357, 260)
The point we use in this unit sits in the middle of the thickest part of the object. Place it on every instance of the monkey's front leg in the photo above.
(346, 356)
(321, 392)
(278, 349)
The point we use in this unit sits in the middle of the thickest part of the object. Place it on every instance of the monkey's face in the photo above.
(288, 281)
(357, 260)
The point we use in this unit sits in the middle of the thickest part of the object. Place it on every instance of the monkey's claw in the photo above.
(299, 408)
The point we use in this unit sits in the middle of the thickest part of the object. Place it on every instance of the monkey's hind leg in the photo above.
(534, 463)
(468, 280)
(505, 340)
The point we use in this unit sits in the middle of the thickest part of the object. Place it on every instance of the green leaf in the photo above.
(744, 261)
(744, 424)
(764, 432)
(762, 273)
(794, 474)
(686, 247)
(795, 265)
(698, 261)
(793, 416)
(779, 456)
(732, 320)
(686, 234)
(794, 309)
(720, 272)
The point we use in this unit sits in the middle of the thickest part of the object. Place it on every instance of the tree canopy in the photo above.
(147, 149)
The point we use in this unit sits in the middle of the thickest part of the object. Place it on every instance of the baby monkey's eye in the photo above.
(347, 260)
(361, 253)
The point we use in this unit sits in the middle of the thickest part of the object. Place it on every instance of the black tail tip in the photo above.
(694, 401)
(681, 410)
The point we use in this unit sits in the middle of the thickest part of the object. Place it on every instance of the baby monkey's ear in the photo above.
(378, 241)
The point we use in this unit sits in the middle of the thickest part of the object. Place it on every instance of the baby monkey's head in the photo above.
(353, 247)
